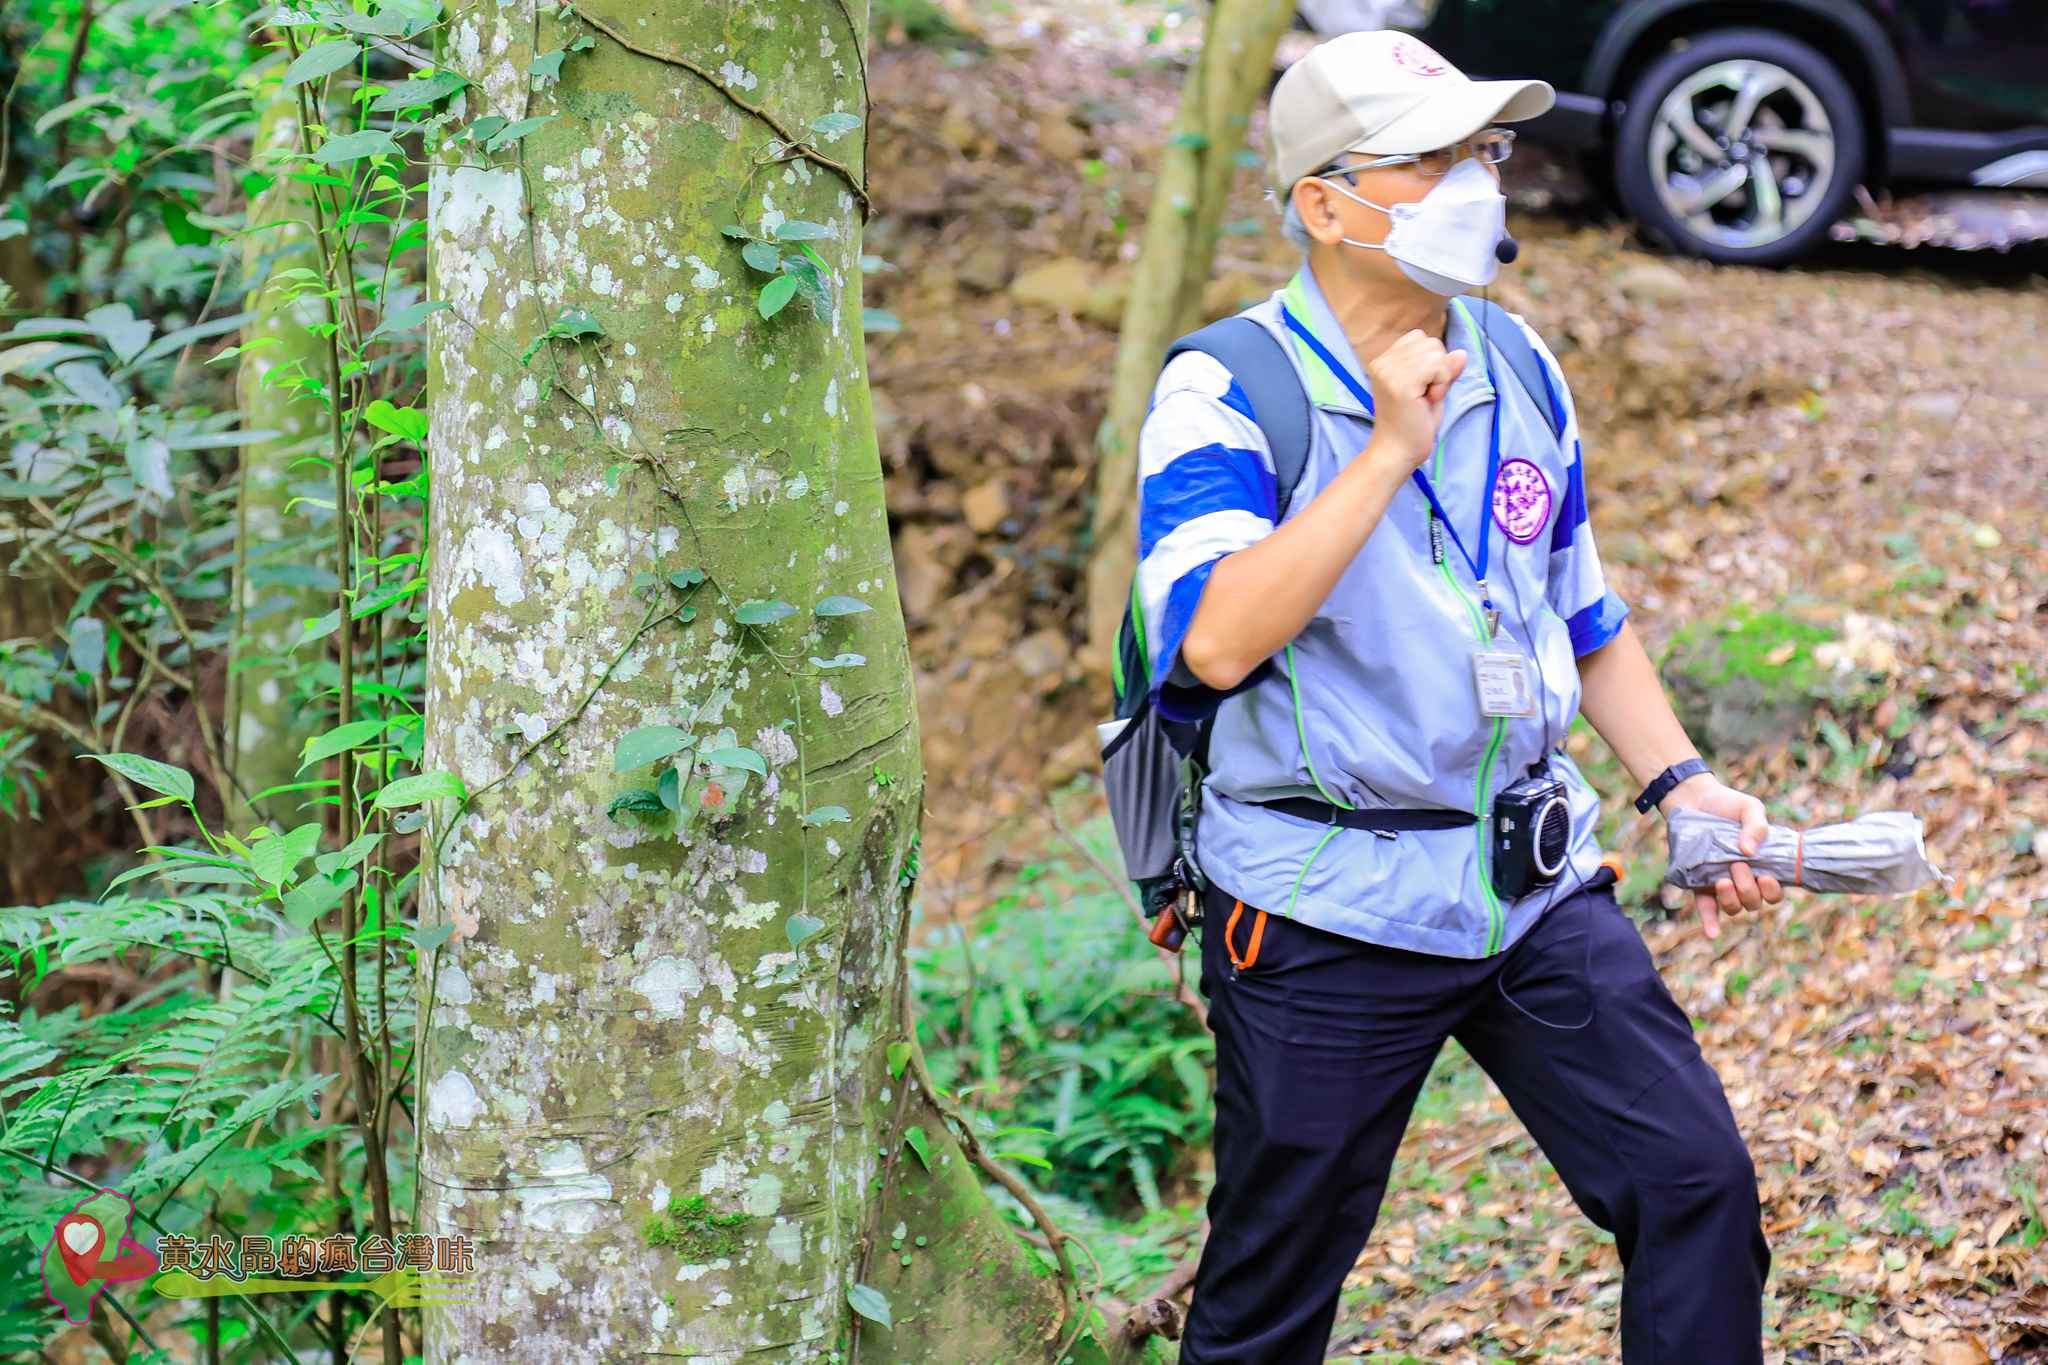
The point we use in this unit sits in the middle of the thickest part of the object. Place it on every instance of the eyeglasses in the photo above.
(1491, 147)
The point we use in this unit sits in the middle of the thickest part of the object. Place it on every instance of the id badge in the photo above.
(1505, 685)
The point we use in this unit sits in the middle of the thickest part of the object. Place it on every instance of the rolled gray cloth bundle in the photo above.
(1882, 853)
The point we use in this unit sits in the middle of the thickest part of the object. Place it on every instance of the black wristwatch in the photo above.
(1661, 785)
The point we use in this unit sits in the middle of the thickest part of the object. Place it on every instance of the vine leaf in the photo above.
(414, 791)
(643, 746)
(323, 60)
(427, 937)
(350, 736)
(415, 93)
(511, 133)
(640, 801)
(356, 146)
(879, 320)
(762, 256)
(840, 661)
(483, 128)
(775, 294)
(575, 323)
(408, 423)
(147, 772)
(759, 613)
(802, 928)
(359, 848)
(826, 815)
(88, 645)
(547, 66)
(405, 319)
(686, 578)
(829, 126)
(149, 464)
(124, 333)
(275, 859)
(738, 757)
(840, 605)
(870, 1303)
(670, 790)
(899, 1057)
(314, 898)
(914, 1138)
(798, 230)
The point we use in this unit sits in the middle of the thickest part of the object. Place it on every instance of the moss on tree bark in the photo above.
(654, 1071)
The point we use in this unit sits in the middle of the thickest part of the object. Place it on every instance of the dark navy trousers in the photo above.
(1322, 1044)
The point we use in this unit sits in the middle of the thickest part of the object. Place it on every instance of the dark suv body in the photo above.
(1740, 129)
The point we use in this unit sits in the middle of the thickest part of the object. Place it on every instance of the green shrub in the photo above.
(1054, 1017)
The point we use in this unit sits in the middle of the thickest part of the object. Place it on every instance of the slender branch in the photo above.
(134, 642)
(789, 139)
(1176, 965)
(49, 722)
(647, 623)
(221, 776)
(970, 1142)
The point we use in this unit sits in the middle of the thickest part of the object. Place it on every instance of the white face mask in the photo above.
(1445, 241)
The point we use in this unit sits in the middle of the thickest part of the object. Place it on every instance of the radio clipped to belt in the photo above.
(1177, 901)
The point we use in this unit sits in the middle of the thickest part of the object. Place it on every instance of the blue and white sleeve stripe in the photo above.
(1205, 490)
(1577, 586)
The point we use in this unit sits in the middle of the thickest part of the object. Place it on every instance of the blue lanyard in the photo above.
(1436, 507)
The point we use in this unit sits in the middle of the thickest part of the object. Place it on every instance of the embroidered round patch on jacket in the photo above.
(1521, 500)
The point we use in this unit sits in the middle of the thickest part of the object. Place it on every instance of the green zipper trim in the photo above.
(1301, 733)
(1314, 853)
(1496, 918)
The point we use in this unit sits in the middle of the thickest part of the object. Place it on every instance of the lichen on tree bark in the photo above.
(619, 1022)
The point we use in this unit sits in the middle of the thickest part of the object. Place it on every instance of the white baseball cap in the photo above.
(1382, 92)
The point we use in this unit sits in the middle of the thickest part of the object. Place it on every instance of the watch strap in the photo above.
(1661, 785)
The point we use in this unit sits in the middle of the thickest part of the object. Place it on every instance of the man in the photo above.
(1357, 671)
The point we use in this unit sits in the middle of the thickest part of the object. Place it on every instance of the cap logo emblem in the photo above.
(1418, 57)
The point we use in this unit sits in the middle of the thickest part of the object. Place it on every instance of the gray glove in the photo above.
(1882, 853)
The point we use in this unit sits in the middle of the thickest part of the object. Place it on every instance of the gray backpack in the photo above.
(1153, 767)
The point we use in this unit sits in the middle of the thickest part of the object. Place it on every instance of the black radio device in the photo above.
(1532, 835)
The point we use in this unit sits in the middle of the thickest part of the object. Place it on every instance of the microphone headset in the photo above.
(1506, 249)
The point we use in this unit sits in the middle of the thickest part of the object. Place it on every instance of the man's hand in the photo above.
(1409, 381)
(1740, 890)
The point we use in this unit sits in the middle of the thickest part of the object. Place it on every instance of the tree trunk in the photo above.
(655, 1084)
(272, 594)
(1188, 201)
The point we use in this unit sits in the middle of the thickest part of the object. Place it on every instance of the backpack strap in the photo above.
(1507, 337)
(1279, 404)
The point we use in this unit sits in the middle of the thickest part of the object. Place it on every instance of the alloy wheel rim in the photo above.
(1741, 153)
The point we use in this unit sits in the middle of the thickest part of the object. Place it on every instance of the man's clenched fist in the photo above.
(1409, 381)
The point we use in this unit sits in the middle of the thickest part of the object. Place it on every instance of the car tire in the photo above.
(1769, 191)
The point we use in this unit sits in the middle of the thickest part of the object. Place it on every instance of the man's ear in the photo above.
(1318, 214)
